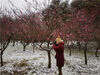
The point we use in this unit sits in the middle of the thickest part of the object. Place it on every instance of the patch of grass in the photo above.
(21, 64)
(36, 58)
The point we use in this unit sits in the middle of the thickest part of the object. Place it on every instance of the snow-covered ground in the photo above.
(17, 62)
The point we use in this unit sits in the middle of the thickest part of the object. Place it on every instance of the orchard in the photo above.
(78, 24)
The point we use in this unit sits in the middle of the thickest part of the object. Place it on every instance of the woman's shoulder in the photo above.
(62, 43)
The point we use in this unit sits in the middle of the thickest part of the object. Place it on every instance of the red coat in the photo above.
(59, 54)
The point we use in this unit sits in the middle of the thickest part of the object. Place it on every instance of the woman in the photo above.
(59, 49)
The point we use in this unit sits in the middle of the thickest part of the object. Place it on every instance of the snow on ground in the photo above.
(77, 62)
(17, 62)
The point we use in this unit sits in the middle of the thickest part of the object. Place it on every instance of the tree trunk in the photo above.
(24, 47)
(49, 59)
(3, 47)
(13, 43)
(70, 52)
(96, 53)
(1, 58)
(33, 47)
(79, 46)
(85, 53)
(49, 56)
(48, 44)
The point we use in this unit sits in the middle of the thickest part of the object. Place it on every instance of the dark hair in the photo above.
(55, 43)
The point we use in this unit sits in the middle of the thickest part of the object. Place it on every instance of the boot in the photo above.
(60, 71)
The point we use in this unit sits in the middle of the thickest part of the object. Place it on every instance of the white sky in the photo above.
(6, 4)
(21, 4)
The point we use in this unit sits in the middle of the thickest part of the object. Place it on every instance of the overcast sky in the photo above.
(21, 4)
